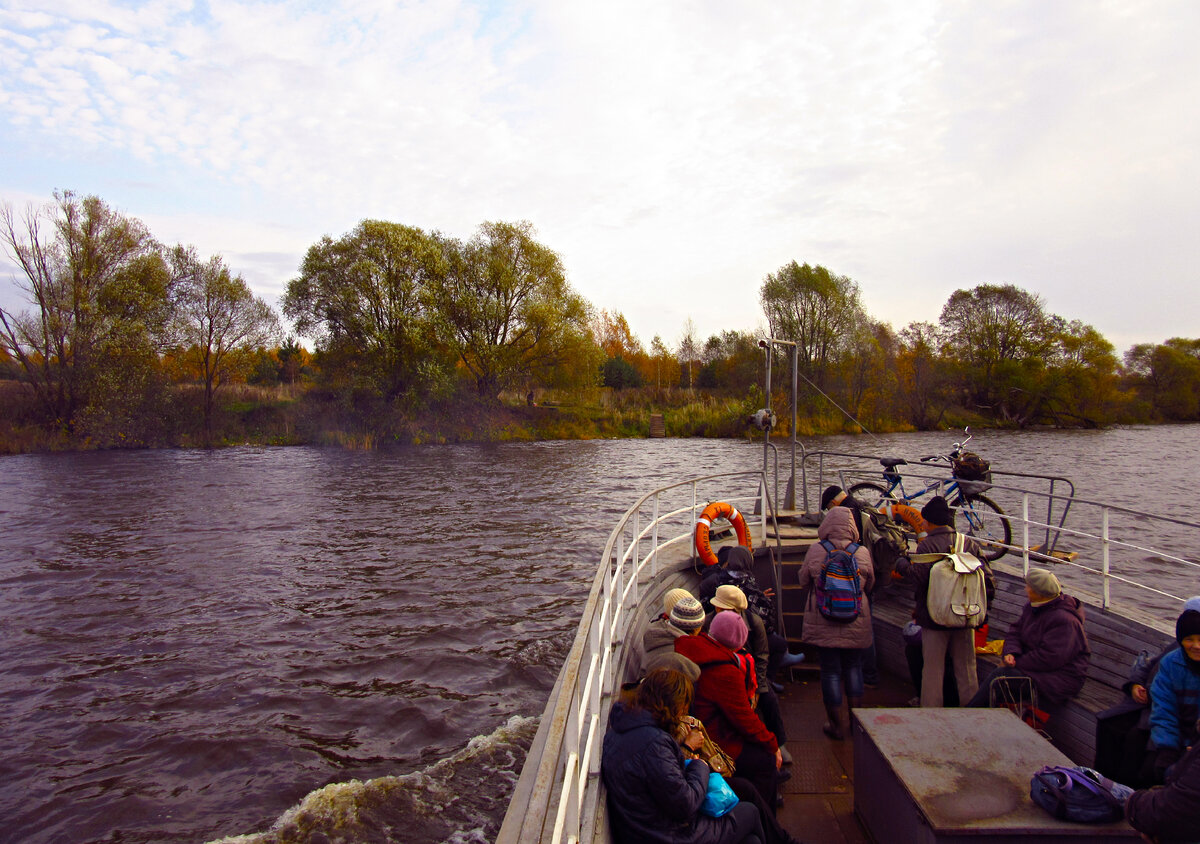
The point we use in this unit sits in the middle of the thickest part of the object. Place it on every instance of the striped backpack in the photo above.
(838, 589)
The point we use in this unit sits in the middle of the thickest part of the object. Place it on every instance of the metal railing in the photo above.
(568, 777)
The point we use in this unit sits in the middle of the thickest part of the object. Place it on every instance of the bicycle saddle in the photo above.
(889, 462)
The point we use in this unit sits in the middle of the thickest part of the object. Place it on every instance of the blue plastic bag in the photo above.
(719, 798)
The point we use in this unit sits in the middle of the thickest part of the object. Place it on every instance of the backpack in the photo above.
(838, 589)
(1078, 794)
(957, 594)
(758, 602)
(886, 541)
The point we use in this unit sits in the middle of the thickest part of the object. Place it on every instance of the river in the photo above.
(195, 641)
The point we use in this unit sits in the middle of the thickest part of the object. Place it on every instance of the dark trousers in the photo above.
(757, 764)
(1121, 749)
(773, 833)
(771, 715)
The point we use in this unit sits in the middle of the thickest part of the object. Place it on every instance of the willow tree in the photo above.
(100, 295)
(366, 299)
(505, 307)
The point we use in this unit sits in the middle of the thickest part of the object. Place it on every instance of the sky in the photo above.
(673, 153)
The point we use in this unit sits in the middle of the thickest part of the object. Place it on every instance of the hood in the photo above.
(736, 558)
(838, 526)
(624, 718)
(1065, 602)
(703, 648)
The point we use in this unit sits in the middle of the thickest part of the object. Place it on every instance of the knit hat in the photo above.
(1188, 623)
(1044, 583)
(830, 493)
(687, 614)
(672, 598)
(729, 597)
(729, 629)
(937, 512)
(675, 662)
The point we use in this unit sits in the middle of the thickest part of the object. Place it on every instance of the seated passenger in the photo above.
(841, 643)
(661, 633)
(722, 703)
(1171, 812)
(1047, 644)
(1175, 693)
(652, 795)
(1123, 730)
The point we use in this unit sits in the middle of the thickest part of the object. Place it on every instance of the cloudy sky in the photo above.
(673, 153)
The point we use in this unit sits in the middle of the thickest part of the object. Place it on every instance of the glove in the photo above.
(1164, 759)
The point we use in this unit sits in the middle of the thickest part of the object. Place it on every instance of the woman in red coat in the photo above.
(722, 702)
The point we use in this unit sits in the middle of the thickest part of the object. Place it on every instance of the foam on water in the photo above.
(458, 799)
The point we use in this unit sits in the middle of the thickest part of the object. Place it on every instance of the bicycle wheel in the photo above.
(868, 494)
(986, 522)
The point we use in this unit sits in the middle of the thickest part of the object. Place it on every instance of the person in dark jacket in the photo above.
(1175, 693)
(938, 641)
(1047, 644)
(1123, 731)
(653, 796)
(1170, 813)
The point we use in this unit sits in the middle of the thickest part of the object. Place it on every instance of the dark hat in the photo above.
(830, 493)
(687, 614)
(1188, 623)
(937, 512)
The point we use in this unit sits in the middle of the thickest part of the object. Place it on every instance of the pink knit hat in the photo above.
(729, 629)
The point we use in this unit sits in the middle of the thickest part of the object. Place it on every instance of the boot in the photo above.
(852, 703)
(833, 727)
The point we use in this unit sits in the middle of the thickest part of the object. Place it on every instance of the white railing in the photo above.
(659, 525)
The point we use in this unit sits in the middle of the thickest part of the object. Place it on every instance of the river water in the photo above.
(195, 642)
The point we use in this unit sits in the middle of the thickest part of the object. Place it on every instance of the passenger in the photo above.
(1123, 731)
(662, 632)
(736, 567)
(835, 496)
(652, 795)
(841, 643)
(937, 640)
(1047, 644)
(1175, 693)
(1170, 813)
(723, 703)
(730, 598)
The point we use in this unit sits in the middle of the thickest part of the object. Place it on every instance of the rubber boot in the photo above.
(833, 728)
(852, 703)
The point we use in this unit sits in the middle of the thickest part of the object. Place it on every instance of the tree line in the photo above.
(125, 338)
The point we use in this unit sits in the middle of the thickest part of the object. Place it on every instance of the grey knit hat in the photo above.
(1043, 582)
(687, 614)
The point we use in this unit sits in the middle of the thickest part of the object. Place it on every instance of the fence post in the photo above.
(1025, 531)
(1104, 545)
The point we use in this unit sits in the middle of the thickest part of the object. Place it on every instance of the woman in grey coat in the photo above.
(841, 643)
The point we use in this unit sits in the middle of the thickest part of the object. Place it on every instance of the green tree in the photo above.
(815, 309)
(100, 293)
(1000, 337)
(507, 311)
(365, 299)
(619, 374)
(1168, 376)
(1082, 376)
(217, 318)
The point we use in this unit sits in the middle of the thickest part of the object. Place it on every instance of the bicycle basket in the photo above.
(971, 467)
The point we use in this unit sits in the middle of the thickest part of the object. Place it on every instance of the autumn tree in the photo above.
(626, 362)
(506, 309)
(219, 322)
(688, 354)
(100, 295)
(367, 301)
(664, 363)
(813, 308)
(922, 381)
(731, 361)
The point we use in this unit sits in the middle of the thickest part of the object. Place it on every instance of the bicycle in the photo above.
(970, 476)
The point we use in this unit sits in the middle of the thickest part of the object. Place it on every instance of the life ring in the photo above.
(718, 510)
(909, 515)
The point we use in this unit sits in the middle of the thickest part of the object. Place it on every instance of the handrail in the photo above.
(566, 784)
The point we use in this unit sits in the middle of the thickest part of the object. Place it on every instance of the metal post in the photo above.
(1025, 530)
(790, 504)
(1105, 546)
(767, 399)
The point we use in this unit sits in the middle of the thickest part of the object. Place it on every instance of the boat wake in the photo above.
(460, 799)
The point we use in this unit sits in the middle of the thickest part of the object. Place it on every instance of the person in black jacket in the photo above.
(653, 796)
(1171, 812)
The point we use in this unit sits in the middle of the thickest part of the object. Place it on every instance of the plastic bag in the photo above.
(719, 798)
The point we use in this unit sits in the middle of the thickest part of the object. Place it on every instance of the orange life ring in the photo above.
(718, 510)
(909, 515)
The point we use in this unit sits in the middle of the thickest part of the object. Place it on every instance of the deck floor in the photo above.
(818, 803)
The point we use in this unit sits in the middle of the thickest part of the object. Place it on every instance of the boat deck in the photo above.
(818, 800)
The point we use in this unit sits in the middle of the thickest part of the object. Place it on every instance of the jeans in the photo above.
(838, 666)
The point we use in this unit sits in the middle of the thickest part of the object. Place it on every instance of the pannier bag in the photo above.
(1078, 794)
(971, 467)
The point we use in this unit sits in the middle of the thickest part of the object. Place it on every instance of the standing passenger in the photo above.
(841, 643)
